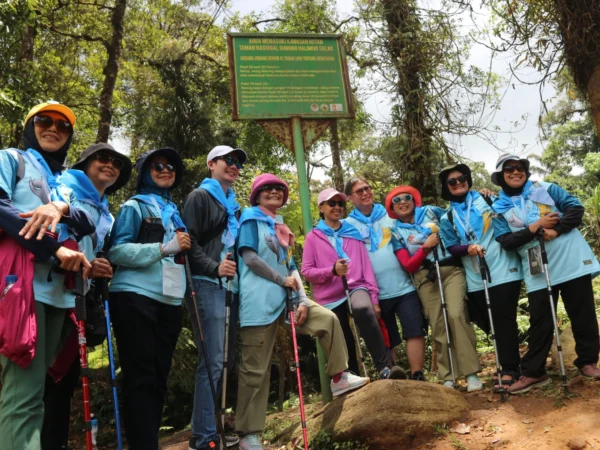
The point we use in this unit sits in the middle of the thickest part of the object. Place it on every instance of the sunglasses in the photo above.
(272, 187)
(402, 198)
(510, 169)
(103, 158)
(45, 122)
(334, 203)
(159, 167)
(230, 161)
(457, 180)
(362, 190)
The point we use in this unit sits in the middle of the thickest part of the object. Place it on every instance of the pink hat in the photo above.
(329, 193)
(263, 180)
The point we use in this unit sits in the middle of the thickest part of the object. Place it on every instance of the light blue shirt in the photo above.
(391, 278)
(504, 266)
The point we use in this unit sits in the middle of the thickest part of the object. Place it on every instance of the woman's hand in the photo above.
(301, 315)
(549, 235)
(476, 250)
(432, 240)
(184, 240)
(487, 193)
(43, 218)
(101, 268)
(377, 311)
(341, 267)
(292, 283)
(73, 261)
(547, 222)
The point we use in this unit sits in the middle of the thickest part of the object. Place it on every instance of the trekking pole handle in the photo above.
(229, 258)
(435, 253)
(540, 234)
(102, 282)
(484, 269)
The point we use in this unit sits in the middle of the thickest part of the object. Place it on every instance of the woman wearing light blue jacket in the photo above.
(147, 291)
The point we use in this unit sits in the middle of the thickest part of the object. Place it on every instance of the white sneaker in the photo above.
(449, 384)
(474, 383)
(348, 382)
(250, 442)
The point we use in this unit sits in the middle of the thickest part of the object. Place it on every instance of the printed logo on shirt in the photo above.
(513, 270)
(587, 262)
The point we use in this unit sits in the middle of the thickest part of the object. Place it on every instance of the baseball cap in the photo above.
(329, 193)
(52, 106)
(222, 150)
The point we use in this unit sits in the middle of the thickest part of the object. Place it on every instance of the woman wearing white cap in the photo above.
(333, 249)
(527, 208)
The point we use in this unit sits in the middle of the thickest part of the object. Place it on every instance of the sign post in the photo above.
(294, 85)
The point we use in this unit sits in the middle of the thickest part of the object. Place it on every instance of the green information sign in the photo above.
(276, 76)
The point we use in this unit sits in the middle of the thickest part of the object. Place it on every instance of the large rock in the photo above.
(567, 341)
(386, 414)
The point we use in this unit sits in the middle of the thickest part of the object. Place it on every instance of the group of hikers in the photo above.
(382, 263)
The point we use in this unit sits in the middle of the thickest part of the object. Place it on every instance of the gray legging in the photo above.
(368, 327)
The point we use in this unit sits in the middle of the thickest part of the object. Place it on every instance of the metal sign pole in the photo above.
(307, 218)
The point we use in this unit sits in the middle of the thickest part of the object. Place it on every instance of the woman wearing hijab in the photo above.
(33, 203)
(100, 171)
(147, 291)
(528, 209)
(267, 270)
(416, 230)
(334, 249)
(468, 232)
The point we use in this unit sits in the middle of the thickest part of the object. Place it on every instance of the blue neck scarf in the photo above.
(467, 218)
(537, 194)
(420, 217)
(160, 198)
(213, 187)
(345, 231)
(254, 213)
(374, 235)
(86, 192)
(51, 178)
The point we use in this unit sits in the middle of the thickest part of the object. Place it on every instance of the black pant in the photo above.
(146, 332)
(578, 298)
(57, 408)
(504, 299)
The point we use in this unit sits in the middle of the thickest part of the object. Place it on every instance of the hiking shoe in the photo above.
(418, 376)
(212, 445)
(449, 384)
(590, 371)
(231, 440)
(396, 373)
(473, 383)
(525, 384)
(250, 442)
(348, 382)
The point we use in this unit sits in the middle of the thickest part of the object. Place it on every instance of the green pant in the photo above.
(257, 350)
(462, 336)
(22, 395)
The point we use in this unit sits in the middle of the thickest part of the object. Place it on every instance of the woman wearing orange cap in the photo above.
(416, 230)
(33, 202)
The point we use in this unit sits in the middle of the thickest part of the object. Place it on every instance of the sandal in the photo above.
(508, 378)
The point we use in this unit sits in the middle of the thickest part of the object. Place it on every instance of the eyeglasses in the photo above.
(402, 198)
(457, 180)
(362, 190)
(510, 169)
(159, 167)
(272, 187)
(45, 122)
(230, 161)
(105, 159)
(334, 203)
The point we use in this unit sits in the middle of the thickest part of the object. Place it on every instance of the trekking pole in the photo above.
(81, 288)
(213, 391)
(354, 330)
(111, 359)
(540, 234)
(487, 277)
(228, 302)
(291, 312)
(444, 311)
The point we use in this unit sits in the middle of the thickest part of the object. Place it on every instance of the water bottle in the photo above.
(10, 281)
(94, 432)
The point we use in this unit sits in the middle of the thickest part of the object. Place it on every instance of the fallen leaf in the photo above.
(546, 429)
(527, 421)
(460, 428)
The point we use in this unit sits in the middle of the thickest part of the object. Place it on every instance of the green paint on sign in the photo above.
(283, 75)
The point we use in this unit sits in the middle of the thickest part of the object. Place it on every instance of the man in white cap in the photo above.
(211, 214)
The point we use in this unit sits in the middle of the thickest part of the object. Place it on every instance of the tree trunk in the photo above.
(404, 27)
(336, 168)
(593, 91)
(25, 58)
(111, 71)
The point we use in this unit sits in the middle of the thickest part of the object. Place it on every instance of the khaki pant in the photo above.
(255, 365)
(462, 336)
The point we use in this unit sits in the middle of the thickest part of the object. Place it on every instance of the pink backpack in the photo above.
(18, 328)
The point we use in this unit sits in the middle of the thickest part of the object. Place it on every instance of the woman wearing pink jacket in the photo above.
(333, 249)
